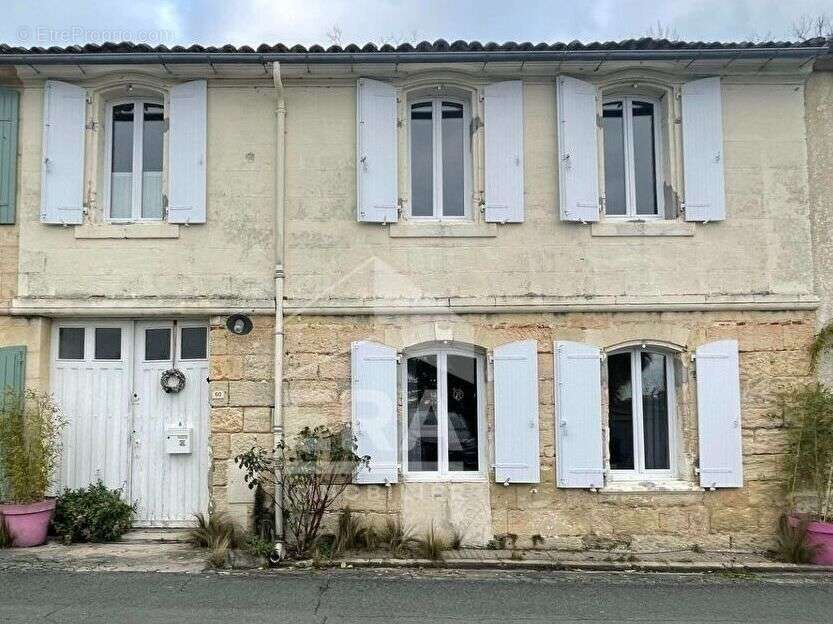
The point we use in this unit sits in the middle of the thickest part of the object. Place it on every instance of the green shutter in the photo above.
(8, 153)
(12, 380)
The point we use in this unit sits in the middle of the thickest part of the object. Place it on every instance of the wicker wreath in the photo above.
(173, 380)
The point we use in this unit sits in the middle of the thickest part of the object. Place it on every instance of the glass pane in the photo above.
(655, 411)
(152, 162)
(613, 126)
(644, 161)
(194, 343)
(620, 418)
(462, 413)
(157, 344)
(108, 343)
(71, 343)
(453, 160)
(121, 180)
(423, 429)
(422, 160)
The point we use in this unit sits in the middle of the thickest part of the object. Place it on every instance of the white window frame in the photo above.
(443, 473)
(437, 179)
(138, 138)
(639, 472)
(659, 157)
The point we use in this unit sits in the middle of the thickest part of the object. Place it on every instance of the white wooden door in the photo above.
(169, 488)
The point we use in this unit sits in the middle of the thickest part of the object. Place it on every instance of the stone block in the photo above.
(313, 392)
(219, 473)
(257, 419)
(257, 366)
(220, 445)
(226, 419)
(226, 367)
(218, 393)
(251, 393)
(334, 367)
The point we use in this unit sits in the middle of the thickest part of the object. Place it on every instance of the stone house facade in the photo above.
(555, 291)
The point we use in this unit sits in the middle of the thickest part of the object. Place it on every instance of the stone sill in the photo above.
(642, 228)
(126, 230)
(650, 487)
(442, 230)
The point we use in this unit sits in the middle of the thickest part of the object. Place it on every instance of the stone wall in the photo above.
(241, 368)
(774, 356)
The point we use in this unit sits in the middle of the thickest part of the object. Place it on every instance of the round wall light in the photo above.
(239, 324)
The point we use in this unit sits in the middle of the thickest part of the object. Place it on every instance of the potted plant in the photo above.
(809, 466)
(30, 448)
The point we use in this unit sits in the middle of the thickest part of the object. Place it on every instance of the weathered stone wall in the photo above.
(241, 368)
(774, 356)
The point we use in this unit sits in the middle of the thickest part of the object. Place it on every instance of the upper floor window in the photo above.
(135, 156)
(632, 157)
(440, 157)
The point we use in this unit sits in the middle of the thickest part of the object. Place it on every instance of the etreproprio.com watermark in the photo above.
(75, 35)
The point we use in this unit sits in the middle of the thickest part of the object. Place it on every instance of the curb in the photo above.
(588, 566)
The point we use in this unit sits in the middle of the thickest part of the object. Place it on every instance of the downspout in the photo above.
(280, 195)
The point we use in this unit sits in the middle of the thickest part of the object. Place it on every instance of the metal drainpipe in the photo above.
(280, 195)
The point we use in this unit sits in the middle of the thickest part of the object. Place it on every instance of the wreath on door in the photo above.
(173, 381)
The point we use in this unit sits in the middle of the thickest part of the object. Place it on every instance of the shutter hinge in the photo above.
(166, 123)
(91, 125)
(164, 200)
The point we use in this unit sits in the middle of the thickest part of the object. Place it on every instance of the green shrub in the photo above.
(92, 514)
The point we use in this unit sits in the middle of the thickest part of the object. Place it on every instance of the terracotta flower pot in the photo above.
(28, 524)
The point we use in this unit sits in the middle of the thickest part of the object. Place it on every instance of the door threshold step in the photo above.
(158, 536)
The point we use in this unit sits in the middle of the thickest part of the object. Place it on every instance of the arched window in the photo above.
(134, 158)
(443, 420)
(640, 383)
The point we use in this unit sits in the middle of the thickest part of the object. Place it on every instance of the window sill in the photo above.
(442, 230)
(642, 228)
(476, 478)
(670, 486)
(126, 230)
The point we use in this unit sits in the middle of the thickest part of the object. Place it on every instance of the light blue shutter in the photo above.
(8, 153)
(705, 198)
(504, 130)
(718, 414)
(580, 459)
(62, 171)
(374, 410)
(516, 413)
(578, 163)
(186, 147)
(376, 152)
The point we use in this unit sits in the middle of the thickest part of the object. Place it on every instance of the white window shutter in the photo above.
(578, 405)
(186, 147)
(718, 414)
(516, 413)
(578, 160)
(62, 177)
(374, 410)
(705, 198)
(376, 152)
(504, 129)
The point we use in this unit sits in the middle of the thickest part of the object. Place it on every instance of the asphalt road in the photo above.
(372, 596)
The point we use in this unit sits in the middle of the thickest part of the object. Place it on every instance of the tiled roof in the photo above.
(440, 45)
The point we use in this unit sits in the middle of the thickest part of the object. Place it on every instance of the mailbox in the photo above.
(178, 440)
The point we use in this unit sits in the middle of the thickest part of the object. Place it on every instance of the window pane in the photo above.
(108, 343)
(644, 158)
(157, 344)
(423, 429)
(422, 160)
(462, 413)
(152, 162)
(71, 343)
(453, 160)
(121, 180)
(655, 411)
(613, 126)
(194, 340)
(620, 418)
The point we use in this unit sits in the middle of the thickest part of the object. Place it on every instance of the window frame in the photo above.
(437, 189)
(138, 166)
(627, 98)
(442, 474)
(639, 472)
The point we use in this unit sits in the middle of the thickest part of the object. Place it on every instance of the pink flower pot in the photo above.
(820, 534)
(28, 524)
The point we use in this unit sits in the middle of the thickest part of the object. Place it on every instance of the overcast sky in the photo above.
(213, 22)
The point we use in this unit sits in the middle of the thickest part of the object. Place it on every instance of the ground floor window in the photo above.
(443, 414)
(640, 413)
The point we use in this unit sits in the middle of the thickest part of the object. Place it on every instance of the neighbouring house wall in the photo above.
(242, 369)
(762, 249)
(820, 172)
(773, 357)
